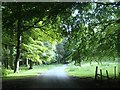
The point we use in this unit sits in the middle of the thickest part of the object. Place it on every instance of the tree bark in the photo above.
(27, 64)
(31, 64)
(19, 29)
(16, 68)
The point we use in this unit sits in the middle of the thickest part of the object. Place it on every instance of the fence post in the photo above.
(96, 72)
(107, 74)
(119, 75)
(115, 72)
(101, 74)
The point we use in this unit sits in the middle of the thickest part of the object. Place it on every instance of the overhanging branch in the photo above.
(34, 26)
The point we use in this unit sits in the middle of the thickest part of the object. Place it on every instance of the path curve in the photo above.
(54, 78)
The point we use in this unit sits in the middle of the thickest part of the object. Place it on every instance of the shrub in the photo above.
(4, 72)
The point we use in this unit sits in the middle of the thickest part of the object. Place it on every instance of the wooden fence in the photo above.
(100, 76)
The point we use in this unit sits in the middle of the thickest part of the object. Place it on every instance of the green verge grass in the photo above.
(24, 72)
(87, 70)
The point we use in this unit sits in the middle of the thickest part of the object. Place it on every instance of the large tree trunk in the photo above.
(19, 28)
(16, 67)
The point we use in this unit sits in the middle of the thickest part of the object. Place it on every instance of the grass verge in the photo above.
(24, 72)
(87, 70)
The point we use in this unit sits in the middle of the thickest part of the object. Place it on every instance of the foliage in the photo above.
(20, 18)
(91, 33)
(69, 31)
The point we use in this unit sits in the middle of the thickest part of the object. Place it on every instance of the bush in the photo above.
(4, 72)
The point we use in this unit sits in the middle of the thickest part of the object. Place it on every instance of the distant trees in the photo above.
(60, 53)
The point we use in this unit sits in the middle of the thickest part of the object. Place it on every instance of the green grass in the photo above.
(24, 72)
(87, 70)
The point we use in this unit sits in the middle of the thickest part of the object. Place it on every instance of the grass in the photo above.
(87, 70)
(24, 72)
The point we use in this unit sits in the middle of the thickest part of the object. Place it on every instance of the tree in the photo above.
(23, 16)
(85, 27)
(91, 31)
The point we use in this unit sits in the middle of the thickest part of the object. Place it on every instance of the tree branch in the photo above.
(33, 26)
(48, 34)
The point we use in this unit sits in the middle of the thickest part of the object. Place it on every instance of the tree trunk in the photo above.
(11, 57)
(6, 62)
(16, 67)
(27, 63)
(19, 28)
(79, 56)
(31, 64)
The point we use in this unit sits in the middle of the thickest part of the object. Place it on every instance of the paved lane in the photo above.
(54, 78)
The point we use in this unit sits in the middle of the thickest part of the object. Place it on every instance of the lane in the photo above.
(54, 78)
(57, 72)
